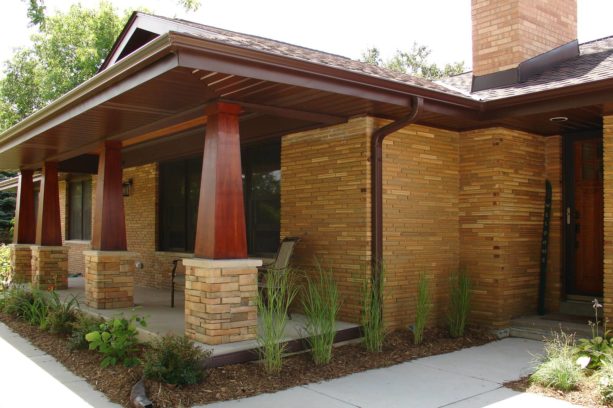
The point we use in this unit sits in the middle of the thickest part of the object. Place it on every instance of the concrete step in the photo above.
(541, 327)
(577, 308)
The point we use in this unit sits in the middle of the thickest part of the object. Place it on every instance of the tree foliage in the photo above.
(413, 62)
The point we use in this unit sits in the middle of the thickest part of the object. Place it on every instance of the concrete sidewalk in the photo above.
(466, 378)
(463, 379)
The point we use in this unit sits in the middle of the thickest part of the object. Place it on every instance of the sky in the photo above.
(344, 27)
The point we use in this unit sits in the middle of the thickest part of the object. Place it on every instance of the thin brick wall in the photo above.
(553, 169)
(508, 32)
(608, 214)
(325, 200)
(420, 218)
(502, 174)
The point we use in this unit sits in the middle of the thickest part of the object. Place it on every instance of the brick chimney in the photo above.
(508, 32)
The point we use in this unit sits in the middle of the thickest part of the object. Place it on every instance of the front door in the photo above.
(584, 214)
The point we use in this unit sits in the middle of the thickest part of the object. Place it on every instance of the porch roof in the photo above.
(153, 98)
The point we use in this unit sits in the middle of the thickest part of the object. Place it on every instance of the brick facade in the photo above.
(109, 280)
(507, 32)
(420, 217)
(608, 214)
(325, 200)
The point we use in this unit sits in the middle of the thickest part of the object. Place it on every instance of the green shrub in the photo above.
(459, 307)
(605, 377)
(599, 347)
(559, 368)
(373, 329)
(117, 340)
(273, 305)
(62, 314)
(15, 300)
(83, 325)
(5, 266)
(422, 310)
(175, 360)
(36, 312)
(321, 303)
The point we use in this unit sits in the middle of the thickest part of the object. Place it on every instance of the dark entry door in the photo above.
(584, 214)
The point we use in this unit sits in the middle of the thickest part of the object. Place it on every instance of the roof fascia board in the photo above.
(78, 100)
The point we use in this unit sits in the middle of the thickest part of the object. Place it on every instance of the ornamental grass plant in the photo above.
(373, 329)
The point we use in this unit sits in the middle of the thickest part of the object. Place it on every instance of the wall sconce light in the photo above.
(127, 188)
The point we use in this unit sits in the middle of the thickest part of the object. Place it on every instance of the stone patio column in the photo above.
(25, 229)
(49, 257)
(221, 282)
(109, 268)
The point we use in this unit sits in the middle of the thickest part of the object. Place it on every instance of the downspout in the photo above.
(377, 175)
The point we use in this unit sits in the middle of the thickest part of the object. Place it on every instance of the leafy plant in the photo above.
(559, 368)
(373, 329)
(36, 312)
(423, 308)
(15, 299)
(605, 376)
(273, 305)
(321, 303)
(175, 360)
(459, 307)
(599, 347)
(5, 266)
(62, 313)
(117, 340)
(83, 324)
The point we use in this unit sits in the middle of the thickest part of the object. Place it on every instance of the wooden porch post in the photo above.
(49, 257)
(220, 232)
(24, 234)
(109, 269)
(109, 229)
(25, 216)
(221, 287)
(48, 226)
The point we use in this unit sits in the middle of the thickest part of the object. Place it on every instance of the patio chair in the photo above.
(279, 265)
(178, 275)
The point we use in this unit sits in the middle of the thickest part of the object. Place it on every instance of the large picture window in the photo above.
(80, 209)
(179, 194)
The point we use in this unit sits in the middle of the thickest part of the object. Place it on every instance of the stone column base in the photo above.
(220, 299)
(21, 263)
(109, 279)
(49, 267)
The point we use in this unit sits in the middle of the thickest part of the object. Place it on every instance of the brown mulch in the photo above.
(586, 394)
(248, 379)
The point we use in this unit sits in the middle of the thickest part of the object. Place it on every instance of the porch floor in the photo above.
(154, 304)
(540, 327)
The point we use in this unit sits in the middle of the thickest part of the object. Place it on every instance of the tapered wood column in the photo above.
(24, 234)
(220, 232)
(109, 229)
(49, 257)
(25, 216)
(48, 226)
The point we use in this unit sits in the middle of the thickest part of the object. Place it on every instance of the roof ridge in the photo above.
(596, 40)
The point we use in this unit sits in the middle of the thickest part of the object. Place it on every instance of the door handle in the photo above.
(567, 215)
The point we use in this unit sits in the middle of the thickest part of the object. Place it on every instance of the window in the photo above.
(179, 194)
(80, 209)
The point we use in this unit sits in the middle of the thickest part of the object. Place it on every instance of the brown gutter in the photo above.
(377, 137)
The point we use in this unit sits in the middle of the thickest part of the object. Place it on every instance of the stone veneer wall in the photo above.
(325, 200)
(420, 218)
(608, 214)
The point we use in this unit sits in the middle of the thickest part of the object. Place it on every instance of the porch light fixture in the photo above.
(127, 188)
(558, 119)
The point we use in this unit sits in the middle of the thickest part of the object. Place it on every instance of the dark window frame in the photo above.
(82, 229)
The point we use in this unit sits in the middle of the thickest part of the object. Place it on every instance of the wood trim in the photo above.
(48, 226)
(109, 226)
(179, 127)
(25, 213)
(220, 229)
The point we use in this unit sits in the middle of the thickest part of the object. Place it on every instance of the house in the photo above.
(209, 145)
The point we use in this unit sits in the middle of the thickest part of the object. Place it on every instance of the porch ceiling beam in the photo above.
(289, 112)
(274, 73)
(156, 134)
(47, 118)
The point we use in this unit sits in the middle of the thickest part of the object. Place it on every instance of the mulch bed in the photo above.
(248, 379)
(586, 394)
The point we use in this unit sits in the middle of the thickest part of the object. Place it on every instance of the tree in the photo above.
(414, 62)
